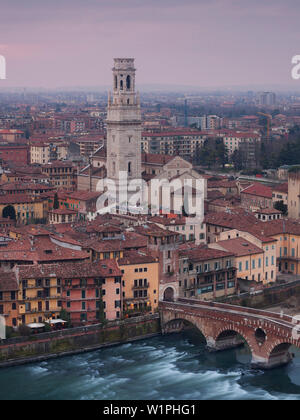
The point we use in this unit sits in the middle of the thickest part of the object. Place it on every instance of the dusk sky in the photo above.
(205, 43)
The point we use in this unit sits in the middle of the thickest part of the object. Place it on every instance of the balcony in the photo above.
(145, 286)
(137, 298)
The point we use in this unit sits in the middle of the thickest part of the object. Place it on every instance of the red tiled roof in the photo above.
(282, 226)
(259, 190)
(268, 211)
(104, 268)
(281, 188)
(8, 282)
(18, 198)
(178, 221)
(241, 220)
(39, 250)
(156, 159)
(62, 211)
(136, 257)
(203, 253)
(240, 247)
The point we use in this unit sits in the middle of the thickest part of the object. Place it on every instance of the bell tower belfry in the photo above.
(124, 125)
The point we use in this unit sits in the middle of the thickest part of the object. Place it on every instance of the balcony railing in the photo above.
(138, 287)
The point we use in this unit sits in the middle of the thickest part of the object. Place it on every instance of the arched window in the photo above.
(116, 82)
(121, 84)
(128, 82)
(129, 167)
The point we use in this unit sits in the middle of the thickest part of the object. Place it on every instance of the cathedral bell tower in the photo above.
(124, 128)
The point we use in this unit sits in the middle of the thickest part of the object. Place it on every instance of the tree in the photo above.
(56, 202)
(237, 160)
(279, 205)
(101, 313)
(65, 316)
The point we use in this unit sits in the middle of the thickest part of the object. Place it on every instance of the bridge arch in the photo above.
(176, 325)
(279, 354)
(230, 337)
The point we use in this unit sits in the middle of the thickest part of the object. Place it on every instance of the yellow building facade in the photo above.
(39, 298)
(140, 282)
(22, 208)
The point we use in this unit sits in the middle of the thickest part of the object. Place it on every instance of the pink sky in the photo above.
(203, 43)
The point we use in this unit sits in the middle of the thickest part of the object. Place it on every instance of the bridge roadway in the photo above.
(269, 335)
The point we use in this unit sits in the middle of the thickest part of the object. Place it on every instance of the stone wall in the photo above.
(44, 346)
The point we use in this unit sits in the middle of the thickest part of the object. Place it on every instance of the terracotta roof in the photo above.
(284, 188)
(240, 247)
(268, 211)
(133, 240)
(282, 226)
(203, 253)
(136, 257)
(104, 268)
(84, 195)
(62, 211)
(38, 250)
(109, 245)
(177, 221)
(25, 186)
(18, 198)
(234, 219)
(259, 190)
(156, 159)
(8, 282)
(214, 194)
(241, 220)
(152, 229)
(223, 183)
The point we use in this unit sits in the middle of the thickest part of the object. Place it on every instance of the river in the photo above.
(169, 368)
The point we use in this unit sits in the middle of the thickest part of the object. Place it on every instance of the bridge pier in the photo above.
(228, 343)
(267, 363)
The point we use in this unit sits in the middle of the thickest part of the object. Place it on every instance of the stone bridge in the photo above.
(268, 335)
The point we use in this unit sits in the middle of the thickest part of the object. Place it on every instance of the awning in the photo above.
(56, 321)
(35, 325)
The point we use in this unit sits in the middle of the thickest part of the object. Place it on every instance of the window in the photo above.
(128, 82)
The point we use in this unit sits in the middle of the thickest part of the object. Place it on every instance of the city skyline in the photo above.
(199, 43)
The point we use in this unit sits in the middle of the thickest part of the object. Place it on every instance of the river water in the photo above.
(169, 368)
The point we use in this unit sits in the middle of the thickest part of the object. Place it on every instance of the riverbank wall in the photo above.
(38, 347)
